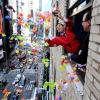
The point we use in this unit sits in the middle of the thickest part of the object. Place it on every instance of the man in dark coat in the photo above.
(81, 57)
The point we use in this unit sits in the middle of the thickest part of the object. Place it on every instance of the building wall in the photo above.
(62, 7)
(55, 52)
(55, 58)
(92, 80)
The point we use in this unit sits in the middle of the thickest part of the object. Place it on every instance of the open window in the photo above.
(76, 12)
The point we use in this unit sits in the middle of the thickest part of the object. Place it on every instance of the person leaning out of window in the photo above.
(69, 41)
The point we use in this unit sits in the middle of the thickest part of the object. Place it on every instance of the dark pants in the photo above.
(80, 58)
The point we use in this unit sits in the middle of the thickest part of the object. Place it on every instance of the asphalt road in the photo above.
(27, 89)
(30, 74)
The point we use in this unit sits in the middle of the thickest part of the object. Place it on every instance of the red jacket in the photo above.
(69, 42)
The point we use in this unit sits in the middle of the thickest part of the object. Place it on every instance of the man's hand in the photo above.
(57, 13)
(46, 38)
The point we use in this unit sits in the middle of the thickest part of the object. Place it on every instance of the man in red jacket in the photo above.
(69, 41)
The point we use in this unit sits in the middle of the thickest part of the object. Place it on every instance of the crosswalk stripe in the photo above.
(29, 87)
(29, 71)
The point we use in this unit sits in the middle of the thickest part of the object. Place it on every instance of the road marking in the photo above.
(29, 71)
(28, 87)
(15, 71)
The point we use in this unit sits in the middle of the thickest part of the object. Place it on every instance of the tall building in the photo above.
(4, 25)
(1, 30)
(5, 28)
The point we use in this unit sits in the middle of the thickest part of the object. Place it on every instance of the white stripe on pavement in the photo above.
(29, 87)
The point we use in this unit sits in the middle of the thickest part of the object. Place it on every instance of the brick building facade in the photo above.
(92, 79)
